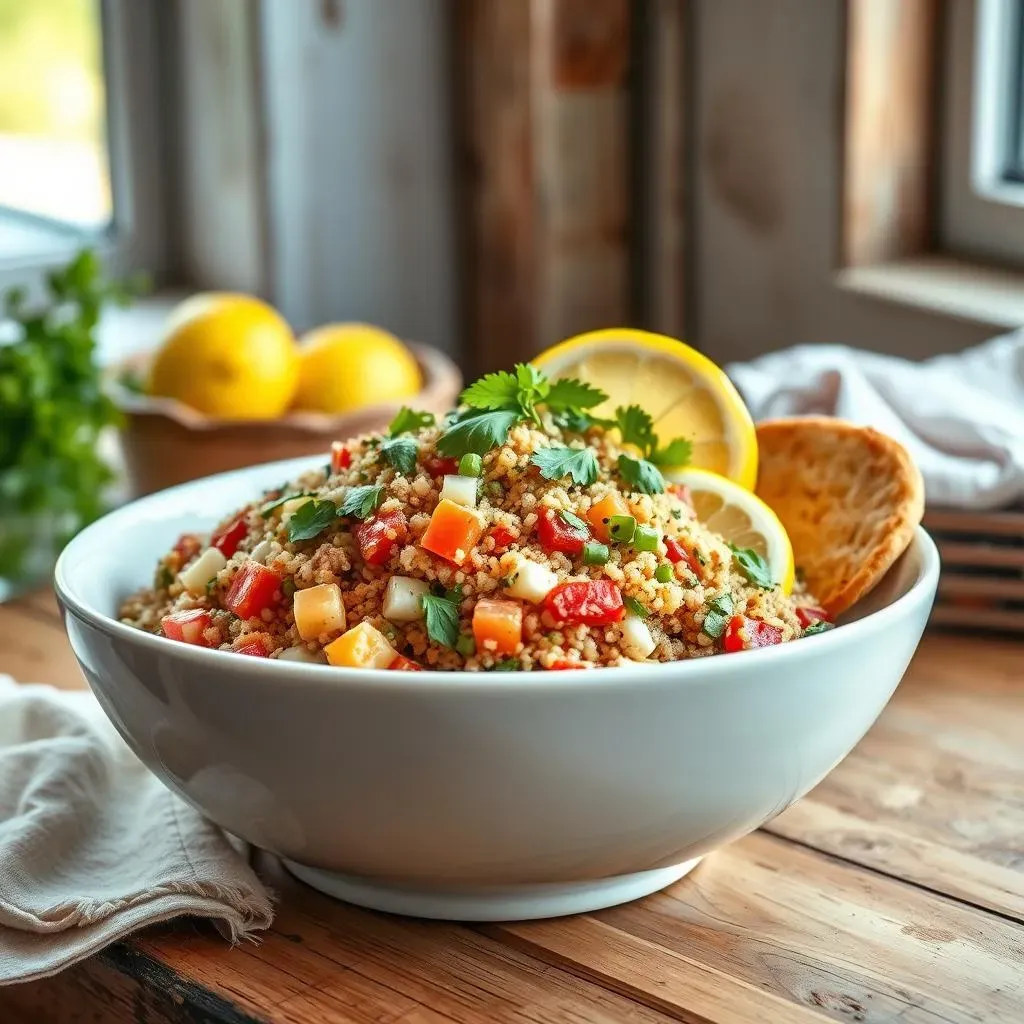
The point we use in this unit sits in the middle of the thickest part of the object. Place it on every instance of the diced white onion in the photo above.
(302, 654)
(195, 578)
(260, 552)
(402, 599)
(461, 489)
(636, 636)
(531, 581)
(290, 507)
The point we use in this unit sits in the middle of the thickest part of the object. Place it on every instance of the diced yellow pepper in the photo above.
(363, 646)
(319, 610)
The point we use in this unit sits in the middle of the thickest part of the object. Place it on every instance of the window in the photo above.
(983, 183)
(78, 137)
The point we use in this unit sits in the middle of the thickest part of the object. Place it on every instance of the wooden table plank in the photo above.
(34, 647)
(835, 941)
(934, 794)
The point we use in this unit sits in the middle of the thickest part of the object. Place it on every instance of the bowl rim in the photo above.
(268, 671)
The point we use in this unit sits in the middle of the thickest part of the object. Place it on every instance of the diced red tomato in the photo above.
(403, 664)
(744, 634)
(252, 590)
(809, 615)
(675, 552)
(558, 666)
(187, 547)
(254, 647)
(187, 627)
(502, 536)
(380, 535)
(341, 457)
(586, 602)
(436, 466)
(555, 534)
(230, 537)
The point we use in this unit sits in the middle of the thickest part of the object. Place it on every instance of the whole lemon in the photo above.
(348, 366)
(227, 355)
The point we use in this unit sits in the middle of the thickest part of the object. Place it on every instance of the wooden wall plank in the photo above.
(891, 90)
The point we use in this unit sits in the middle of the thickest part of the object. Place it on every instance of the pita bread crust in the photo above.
(849, 497)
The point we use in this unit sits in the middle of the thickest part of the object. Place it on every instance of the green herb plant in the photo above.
(53, 409)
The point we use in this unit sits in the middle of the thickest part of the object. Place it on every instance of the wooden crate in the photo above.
(982, 581)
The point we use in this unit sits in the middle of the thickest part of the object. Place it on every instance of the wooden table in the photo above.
(893, 892)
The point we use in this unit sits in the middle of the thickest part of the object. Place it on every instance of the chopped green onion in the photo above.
(465, 645)
(595, 553)
(645, 538)
(664, 573)
(634, 607)
(621, 528)
(470, 465)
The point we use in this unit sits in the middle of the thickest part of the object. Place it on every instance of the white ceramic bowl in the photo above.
(476, 796)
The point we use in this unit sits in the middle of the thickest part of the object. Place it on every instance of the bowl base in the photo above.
(514, 903)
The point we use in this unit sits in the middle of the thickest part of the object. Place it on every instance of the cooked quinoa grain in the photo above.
(448, 585)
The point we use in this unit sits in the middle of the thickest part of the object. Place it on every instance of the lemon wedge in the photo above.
(741, 518)
(686, 394)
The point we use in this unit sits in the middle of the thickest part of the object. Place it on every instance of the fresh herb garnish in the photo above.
(573, 520)
(442, 619)
(821, 626)
(508, 665)
(311, 519)
(635, 607)
(558, 461)
(717, 617)
(270, 506)
(478, 434)
(498, 401)
(164, 578)
(361, 502)
(401, 452)
(407, 419)
(753, 566)
(637, 428)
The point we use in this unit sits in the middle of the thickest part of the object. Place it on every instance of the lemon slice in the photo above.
(685, 393)
(741, 518)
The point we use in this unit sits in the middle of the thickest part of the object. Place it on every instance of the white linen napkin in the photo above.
(960, 416)
(93, 846)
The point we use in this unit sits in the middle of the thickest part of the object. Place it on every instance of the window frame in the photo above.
(981, 207)
(136, 237)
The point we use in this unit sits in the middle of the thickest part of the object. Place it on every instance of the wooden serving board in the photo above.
(982, 581)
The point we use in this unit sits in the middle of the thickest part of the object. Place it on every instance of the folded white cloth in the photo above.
(93, 847)
(960, 416)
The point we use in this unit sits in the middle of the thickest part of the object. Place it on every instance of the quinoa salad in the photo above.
(521, 532)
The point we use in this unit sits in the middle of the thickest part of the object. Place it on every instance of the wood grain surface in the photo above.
(894, 892)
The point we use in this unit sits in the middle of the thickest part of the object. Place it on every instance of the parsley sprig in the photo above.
(560, 460)
(441, 613)
(498, 401)
(637, 428)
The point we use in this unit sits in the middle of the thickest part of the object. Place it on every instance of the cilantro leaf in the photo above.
(407, 419)
(361, 502)
(311, 519)
(641, 475)
(442, 619)
(578, 422)
(269, 507)
(401, 452)
(493, 391)
(573, 520)
(569, 394)
(717, 617)
(636, 427)
(533, 385)
(821, 626)
(675, 453)
(478, 434)
(753, 566)
(559, 461)
(634, 606)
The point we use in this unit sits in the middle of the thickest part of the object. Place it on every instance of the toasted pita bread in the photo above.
(849, 497)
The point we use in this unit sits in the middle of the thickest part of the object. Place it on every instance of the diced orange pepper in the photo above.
(452, 532)
(612, 504)
(363, 646)
(500, 622)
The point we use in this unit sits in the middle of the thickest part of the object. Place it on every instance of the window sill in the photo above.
(944, 285)
(124, 332)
